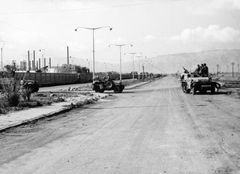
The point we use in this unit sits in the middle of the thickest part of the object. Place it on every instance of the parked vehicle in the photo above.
(193, 84)
(100, 85)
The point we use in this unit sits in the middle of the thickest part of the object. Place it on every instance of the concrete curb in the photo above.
(27, 121)
(65, 108)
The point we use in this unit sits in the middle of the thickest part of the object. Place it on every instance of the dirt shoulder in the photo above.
(49, 103)
(64, 93)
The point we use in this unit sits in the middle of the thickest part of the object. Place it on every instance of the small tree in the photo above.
(8, 86)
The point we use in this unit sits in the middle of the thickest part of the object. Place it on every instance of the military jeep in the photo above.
(100, 85)
(193, 84)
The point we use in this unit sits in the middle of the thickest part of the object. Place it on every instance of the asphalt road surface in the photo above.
(155, 129)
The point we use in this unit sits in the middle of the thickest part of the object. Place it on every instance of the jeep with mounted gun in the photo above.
(193, 83)
(102, 84)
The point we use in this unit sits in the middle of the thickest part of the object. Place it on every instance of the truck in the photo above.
(191, 83)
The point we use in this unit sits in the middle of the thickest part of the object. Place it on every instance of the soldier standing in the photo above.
(205, 70)
(198, 69)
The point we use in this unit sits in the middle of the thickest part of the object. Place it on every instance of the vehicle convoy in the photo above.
(100, 85)
(193, 83)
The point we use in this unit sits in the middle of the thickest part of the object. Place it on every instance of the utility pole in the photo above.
(146, 64)
(139, 66)
(238, 69)
(39, 63)
(67, 55)
(133, 55)
(120, 50)
(217, 69)
(233, 69)
(143, 71)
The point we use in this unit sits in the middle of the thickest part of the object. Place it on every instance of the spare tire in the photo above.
(101, 88)
(108, 84)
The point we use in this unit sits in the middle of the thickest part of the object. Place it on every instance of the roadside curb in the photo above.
(31, 120)
(65, 107)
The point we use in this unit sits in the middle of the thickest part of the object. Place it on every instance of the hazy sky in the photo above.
(154, 27)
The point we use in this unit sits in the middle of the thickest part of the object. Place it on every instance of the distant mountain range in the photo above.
(174, 62)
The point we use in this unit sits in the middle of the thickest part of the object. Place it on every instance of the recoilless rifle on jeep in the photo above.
(100, 85)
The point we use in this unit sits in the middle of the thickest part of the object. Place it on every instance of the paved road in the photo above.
(155, 129)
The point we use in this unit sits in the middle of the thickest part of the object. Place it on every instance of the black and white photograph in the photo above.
(119, 87)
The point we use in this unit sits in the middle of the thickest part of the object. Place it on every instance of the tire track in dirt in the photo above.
(205, 117)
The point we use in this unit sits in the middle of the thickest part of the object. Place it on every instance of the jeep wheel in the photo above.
(188, 91)
(101, 88)
(194, 91)
(117, 89)
(213, 90)
(184, 87)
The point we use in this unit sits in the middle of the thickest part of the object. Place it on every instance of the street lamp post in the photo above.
(93, 30)
(238, 69)
(139, 69)
(120, 50)
(146, 67)
(133, 54)
(233, 69)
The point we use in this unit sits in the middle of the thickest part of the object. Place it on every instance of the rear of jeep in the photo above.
(203, 85)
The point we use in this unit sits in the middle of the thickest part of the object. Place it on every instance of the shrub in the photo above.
(13, 99)
(3, 105)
